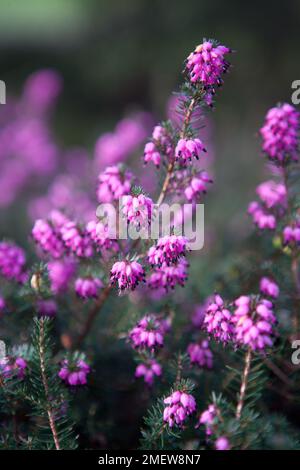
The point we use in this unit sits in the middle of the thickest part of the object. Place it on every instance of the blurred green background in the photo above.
(114, 55)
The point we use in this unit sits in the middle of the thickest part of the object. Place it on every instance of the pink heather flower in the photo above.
(12, 262)
(254, 321)
(271, 206)
(148, 333)
(168, 277)
(180, 405)
(47, 308)
(161, 145)
(218, 320)
(280, 133)
(199, 313)
(197, 186)
(167, 250)
(291, 235)
(207, 64)
(272, 194)
(132, 130)
(42, 89)
(261, 218)
(127, 274)
(148, 371)
(269, 287)
(76, 240)
(138, 210)
(60, 274)
(99, 233)
(222, 443)
(88, 287)
(74, 374)
(113, 147)
(2, 304)
(11, 365)
(208, 419)
(200, 354)
(188, 148)
(48, 238)
(113, 183)
(151, 154)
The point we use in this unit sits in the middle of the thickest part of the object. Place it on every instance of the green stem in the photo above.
(49, 410)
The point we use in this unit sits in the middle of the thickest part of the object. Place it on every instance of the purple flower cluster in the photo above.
(261, 218)
(206, 65)
(48, 238)
(280, 133)
(138, 210)
(272, 194)
(208, 418)
(102, 238)
(70, 191)
(127, 274)
(186, 149)
(88, 287)
(291, 234)
(2, 304)
(218, 320)
(74, 374)
(200, 354)
(47, 308)
(60, 236)
(113, 183)
(148, 333)
(197, 186)
(272, 205)
(168, 277)
(11, 365)
(180, 405)
(151, 154)
(114, 147)
(41, 90)
(61, 273)
(254, 322)
(167, 250)
(77, 240)
(268, 287)
(27, 148)
(222, 443)
(167, 257)
(12, 262)
(160, 145)
(199, 312)
(148, 370)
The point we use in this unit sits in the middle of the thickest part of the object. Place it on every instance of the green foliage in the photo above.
(46, 394)
(40, 397)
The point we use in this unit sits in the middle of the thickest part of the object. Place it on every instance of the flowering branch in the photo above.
(92, 315)
(186, 123)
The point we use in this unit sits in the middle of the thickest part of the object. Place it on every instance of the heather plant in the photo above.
(100, 331)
